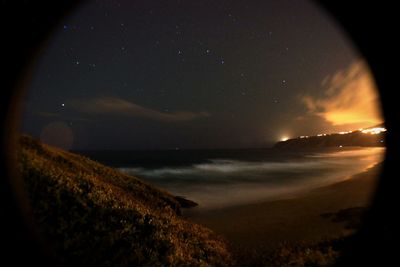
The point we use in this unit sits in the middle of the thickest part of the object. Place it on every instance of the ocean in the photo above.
(221, 178)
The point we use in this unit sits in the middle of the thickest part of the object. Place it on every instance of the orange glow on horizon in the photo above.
(350, 98)
(284, 138)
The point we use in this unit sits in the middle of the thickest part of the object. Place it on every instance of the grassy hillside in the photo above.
(95, 215)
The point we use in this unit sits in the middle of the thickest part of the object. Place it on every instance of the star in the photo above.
(208, 51)
(283, 82)
(179, 52)
(63, 105)
(77, 62)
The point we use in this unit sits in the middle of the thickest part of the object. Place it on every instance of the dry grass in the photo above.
(95, 215)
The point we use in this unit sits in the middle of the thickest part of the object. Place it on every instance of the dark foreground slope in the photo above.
(94, 215)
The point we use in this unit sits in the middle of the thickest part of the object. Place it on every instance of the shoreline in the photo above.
(262, 227)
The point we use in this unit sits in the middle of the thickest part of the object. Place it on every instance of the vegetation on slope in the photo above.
(95, 215)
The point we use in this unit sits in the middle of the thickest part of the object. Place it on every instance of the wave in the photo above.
(224, 166)
(227, 181)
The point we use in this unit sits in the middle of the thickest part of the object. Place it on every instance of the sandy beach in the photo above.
(261, 227)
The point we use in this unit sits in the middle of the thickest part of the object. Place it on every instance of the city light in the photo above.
(375, 130)
(284, 138)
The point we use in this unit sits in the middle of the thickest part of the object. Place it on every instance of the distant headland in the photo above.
(369, 137)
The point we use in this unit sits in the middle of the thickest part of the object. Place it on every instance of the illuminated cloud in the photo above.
(117, 106)
(350, 98)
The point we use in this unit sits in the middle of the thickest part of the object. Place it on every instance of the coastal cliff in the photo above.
(361, 138)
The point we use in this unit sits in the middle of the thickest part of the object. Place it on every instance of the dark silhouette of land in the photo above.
(354, 138)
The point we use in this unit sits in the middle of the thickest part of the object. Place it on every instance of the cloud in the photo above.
(121, 107)
(350, 98)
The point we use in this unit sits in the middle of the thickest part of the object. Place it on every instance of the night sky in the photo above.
(196, 74)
